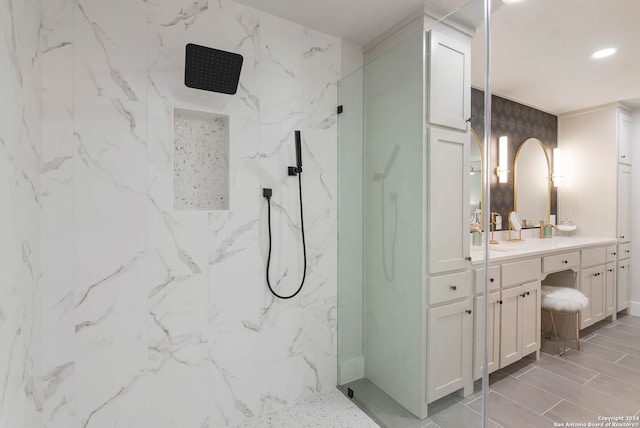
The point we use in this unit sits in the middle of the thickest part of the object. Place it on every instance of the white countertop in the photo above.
(506, 250)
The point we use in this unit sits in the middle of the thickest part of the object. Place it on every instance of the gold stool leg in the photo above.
(577, 332)
(566, 332)
(555, 332)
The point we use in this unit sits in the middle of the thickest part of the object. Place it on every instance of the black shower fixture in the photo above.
(212, 69)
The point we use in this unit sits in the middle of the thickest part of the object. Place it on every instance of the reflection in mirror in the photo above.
(475, 180)
(532, 182)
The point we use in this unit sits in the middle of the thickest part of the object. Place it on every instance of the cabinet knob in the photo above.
(621, 236)
(491, 279)
(453, 287)
(468, 258)
(565, 261)
(468, 311)
(528, 292)
(621, 267)
(613, 253)
(500, 301)
(627, 251)
(610, 270)
(623, 156)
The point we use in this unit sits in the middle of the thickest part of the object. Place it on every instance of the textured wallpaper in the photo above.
(518, 122)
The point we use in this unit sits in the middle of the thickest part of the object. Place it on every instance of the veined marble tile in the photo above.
(111, 48)
(176, 236)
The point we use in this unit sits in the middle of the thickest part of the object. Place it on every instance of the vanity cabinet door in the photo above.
(624, 206)
(493, 336)
(530, 314)
(622, 289)
(447, 207)
(610, 289)
(520, 322)
(449, 354)
(510, 326)
(592, 285)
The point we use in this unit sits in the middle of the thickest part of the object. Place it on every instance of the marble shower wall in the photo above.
(154, 317)
(20, 193)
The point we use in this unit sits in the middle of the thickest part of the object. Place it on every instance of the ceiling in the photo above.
(540, 50)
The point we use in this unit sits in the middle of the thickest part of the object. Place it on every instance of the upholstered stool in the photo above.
(563, 300)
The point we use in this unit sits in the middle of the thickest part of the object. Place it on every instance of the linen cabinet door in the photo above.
(447, 173)
(449, 354)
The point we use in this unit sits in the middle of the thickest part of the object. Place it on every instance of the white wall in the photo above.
(635, 209)
(20, 268)
(162, 318)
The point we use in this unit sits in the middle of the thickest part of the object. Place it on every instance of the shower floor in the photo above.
(328, 410)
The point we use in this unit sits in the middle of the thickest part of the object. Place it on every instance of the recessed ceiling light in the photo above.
(603, 53)
(511, 1)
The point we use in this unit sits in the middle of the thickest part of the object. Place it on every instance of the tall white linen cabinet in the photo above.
(418, 297)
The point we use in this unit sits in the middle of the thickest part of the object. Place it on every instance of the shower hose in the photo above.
(304, 246)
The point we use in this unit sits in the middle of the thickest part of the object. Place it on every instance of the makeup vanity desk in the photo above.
(517, 269)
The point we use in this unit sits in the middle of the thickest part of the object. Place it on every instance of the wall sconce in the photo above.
(558, 168)
(501, 169)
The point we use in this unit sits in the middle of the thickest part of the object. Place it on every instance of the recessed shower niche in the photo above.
(200, 160)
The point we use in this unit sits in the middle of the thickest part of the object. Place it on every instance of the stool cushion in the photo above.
(563, 299)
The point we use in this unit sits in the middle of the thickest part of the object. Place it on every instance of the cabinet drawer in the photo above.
(494, 279)
(593, 257)
(624, 251)
(520, 272)
(612, 253)
(560, 262)
(445, 288)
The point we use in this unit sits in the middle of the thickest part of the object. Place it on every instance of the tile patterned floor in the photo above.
(601, 381)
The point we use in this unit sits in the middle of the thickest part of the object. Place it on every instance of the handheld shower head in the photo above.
(298, 151)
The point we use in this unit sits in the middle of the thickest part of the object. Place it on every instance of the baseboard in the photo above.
(634, 308)
(350, 370)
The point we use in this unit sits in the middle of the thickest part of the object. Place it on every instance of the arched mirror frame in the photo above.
(476, 138)
(515, 175)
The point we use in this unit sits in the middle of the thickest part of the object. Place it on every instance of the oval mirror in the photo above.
(514, 221)
(532, 182)
(476, 190)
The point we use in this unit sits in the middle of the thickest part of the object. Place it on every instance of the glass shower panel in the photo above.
(405, 346)
(393, 318)
(350, 165)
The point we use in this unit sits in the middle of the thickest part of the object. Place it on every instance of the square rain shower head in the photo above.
(212, 69)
